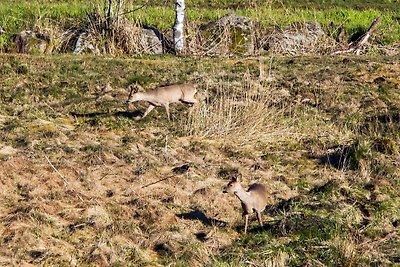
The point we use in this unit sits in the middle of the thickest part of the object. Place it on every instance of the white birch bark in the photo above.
(119, 6)
(178, 27)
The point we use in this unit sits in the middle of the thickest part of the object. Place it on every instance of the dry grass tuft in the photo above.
(114, 36)
(246, 115)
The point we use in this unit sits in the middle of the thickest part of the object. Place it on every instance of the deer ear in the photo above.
(235, 178)
(136, 87)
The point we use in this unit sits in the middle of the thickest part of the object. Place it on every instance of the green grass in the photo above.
(319, 226)
(16, 17)
(355, 16)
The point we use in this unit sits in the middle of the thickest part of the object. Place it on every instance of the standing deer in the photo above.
(253, 200)
(163, 96)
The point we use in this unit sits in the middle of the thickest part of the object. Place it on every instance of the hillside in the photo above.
(77, 171)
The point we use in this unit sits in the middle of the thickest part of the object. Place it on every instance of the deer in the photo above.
(163, 96)
(253, 200)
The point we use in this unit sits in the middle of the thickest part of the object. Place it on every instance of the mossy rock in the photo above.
(33, 43)
(231, 34)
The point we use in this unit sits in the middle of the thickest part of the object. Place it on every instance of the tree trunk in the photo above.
(178, 27)
(119, 6)
(108, 18)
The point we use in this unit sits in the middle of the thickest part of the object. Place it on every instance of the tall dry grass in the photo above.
(250, 113)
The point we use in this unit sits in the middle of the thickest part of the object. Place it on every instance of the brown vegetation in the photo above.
(320, 133)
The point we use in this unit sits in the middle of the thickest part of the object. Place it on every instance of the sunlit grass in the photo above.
(15, 17)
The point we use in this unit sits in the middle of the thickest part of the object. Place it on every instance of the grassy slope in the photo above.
(91, 208)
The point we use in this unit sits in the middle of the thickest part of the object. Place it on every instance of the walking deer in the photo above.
(253, 200)
(163, 96)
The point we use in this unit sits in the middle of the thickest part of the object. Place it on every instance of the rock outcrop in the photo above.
(130, 40)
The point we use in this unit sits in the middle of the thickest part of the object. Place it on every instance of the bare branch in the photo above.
(355, 47)
(156, 182)
(55, 169)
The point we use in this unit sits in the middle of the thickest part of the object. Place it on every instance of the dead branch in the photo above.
(176, 171)
(79, 195)
(156, 182)
(55, 169)
(355, 47)
(136, 9)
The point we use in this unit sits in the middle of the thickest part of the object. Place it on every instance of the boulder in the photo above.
(151, 40)
(296, 38)
(79, 41)
(33, 43)
(231, 34)
(85, 44)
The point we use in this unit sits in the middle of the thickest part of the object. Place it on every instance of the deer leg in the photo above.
(246, 222)
(192, 107)
(259, 218)
(150, 108)
(167, 110)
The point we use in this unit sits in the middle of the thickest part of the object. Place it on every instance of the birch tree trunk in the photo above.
(178, 27)
(119, 6)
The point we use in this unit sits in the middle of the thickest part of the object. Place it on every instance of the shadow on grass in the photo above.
(310, 200)
(253, 228)
(340, 157)
(303, 234)
(200, 216)
(304, 225)
(126, 114)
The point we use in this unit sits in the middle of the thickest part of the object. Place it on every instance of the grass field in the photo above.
(82, 183)
(75, 162)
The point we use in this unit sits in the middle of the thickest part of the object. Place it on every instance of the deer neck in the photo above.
(242, 195)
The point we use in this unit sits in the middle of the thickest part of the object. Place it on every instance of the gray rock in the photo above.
(151, 41)
(296, 38)
(236, 21)
(132, 40)
(84, 44)
(79, 41)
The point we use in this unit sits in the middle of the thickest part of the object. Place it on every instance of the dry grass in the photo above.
(249, 114)
(86, 204)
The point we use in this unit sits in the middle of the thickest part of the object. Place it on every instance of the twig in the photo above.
(163, 179)
(134, 10)
(54, 168)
